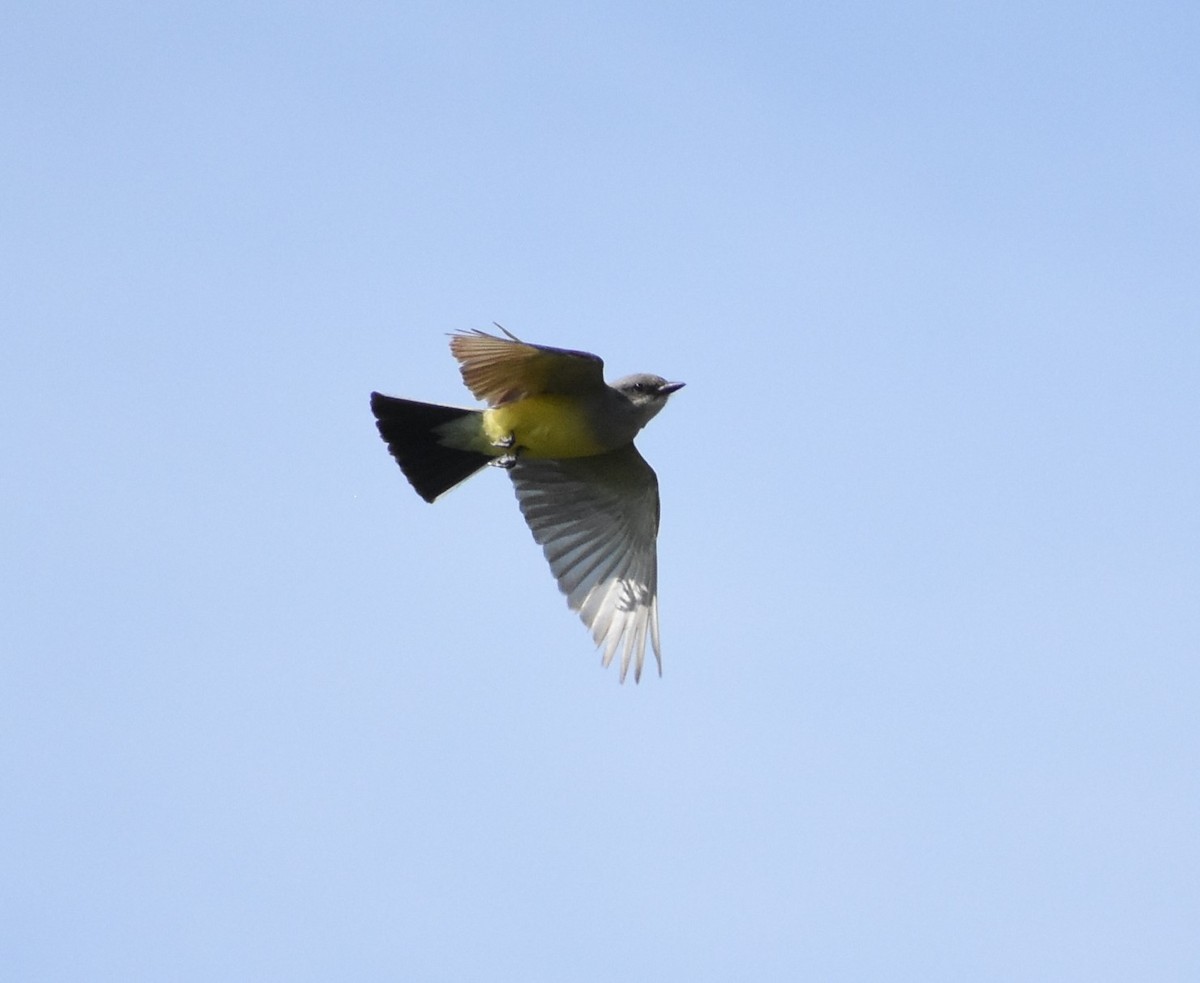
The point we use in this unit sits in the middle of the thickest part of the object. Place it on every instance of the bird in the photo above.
(565, 437)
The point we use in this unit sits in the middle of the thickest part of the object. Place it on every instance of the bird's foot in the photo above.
(509, 459)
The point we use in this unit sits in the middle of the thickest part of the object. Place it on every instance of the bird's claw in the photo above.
(509, 459)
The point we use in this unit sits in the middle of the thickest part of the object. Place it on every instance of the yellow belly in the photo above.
(543, 426)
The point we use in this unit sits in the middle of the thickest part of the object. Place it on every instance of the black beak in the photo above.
(669, 387)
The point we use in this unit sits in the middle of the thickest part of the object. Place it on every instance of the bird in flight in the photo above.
(566, 439)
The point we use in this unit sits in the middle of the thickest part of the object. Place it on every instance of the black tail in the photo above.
(410, 429)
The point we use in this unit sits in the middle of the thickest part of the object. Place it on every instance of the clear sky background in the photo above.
(930, 549)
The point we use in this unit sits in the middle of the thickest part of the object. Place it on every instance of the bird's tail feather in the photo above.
(411, 431)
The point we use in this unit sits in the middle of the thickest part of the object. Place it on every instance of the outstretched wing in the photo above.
(596, 519)
(500, 370)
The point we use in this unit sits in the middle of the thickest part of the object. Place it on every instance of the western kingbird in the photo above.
(566, 439)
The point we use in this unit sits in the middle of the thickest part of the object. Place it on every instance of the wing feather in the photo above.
(501, 370)
(596, 519)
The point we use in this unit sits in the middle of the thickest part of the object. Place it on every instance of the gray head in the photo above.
(648, 393)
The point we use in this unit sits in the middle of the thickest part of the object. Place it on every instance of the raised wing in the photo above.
(596, 519)
(500, 370)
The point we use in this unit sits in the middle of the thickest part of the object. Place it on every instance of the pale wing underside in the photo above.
(596, 519)
(500, 370)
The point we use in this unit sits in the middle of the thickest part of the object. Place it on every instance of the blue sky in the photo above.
(930, 548)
